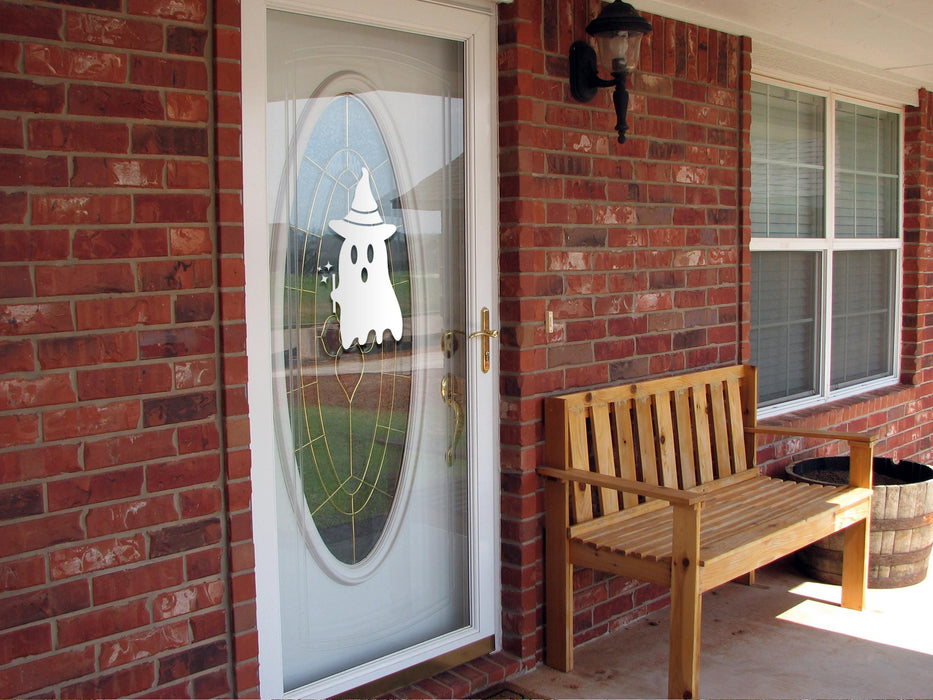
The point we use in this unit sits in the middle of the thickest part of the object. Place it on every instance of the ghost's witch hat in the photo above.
(363, 214)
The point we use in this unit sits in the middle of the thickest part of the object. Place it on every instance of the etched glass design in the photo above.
(347, 291)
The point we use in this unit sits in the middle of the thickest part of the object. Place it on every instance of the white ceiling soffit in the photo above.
(879, 49)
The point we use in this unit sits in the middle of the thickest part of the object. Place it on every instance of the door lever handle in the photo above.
(484, 334)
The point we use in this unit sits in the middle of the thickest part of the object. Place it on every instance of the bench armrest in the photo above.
(863, 438)
(675, 497)
(861, 448)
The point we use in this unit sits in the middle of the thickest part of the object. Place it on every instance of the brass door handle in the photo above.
(451, 397)
(484, 334)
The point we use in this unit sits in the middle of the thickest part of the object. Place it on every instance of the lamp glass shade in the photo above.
(619, 50)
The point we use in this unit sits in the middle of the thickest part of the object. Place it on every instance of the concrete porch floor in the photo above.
(786, 637)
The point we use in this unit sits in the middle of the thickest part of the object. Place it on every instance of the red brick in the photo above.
(13, 207)
(11, 133)
(84, 278)
(171, 342)
(181, 474)
(202, 563)
(30, 676)
(114, 102)
(198, 438)
(174, 539)
(123, 312)
(81, 64)
(227, 76)
(124, 381)
(19, 170)
(39, 463)
(19, 246)
(145, 643)
(187, 41)
(117, 172)
(212, 685)
(31, 20)
(134, 581)
(45, 390)
(16, 356)
(230, 172)
(120, 32)
(183, 408)
(120, 684)
(32, 534)
(185, 10)
(175, 274)
(31, 319)
(20, 502)
(194, 307)
(109, 486)
(169, 140)
(132, 515)
(81, 209)
(15, 281)
(193, 660)
(127, 243)
(85, 558)
(28, 96)
(168, 72)
(78, 136)
(22, 573)
(228, 142)
(195, 373)
(186, 242)
(91, 420)
(75, 351)
(200, 502)
(168, 208)
(188, 175)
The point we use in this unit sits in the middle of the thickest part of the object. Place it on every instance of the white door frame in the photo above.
(474, 23)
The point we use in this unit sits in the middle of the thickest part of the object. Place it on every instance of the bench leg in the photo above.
(855, 565)
(683, 676)
(558, 573)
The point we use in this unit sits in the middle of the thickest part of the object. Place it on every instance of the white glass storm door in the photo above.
(369, 265)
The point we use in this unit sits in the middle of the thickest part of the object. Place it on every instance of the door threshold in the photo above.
(418, 672)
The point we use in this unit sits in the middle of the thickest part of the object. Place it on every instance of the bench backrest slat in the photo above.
(605, 457)
(625, 447)
(679, 432)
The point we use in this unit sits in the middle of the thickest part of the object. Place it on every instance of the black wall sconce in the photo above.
(618, 30)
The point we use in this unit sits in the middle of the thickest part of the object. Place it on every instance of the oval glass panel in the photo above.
(348, 303)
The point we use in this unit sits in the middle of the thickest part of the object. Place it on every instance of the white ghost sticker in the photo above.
(364, 289)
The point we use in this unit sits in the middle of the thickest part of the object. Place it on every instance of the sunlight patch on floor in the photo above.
(905, 625)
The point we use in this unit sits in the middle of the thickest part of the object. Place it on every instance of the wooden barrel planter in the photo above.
(901, 522)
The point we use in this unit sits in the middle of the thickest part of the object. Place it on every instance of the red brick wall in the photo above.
(125, 552)
(126, 555)
(641, 252)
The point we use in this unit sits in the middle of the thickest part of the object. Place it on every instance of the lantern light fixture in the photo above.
(618, 31)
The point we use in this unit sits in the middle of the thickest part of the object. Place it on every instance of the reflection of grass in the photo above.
(313, 296)
(350, 469)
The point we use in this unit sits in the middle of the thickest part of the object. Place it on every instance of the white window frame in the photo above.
(829, 244)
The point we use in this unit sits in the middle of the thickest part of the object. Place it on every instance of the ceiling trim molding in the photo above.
(780, 58)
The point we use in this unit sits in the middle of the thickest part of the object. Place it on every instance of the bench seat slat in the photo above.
(649, 536)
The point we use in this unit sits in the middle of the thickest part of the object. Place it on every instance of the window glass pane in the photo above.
(788, 172)
(866, 172)
(862, 316)
(785, 328)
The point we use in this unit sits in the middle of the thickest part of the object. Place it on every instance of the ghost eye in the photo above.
(353, 254)
(370, 253)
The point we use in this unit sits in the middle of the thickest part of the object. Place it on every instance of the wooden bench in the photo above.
(657, 481)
